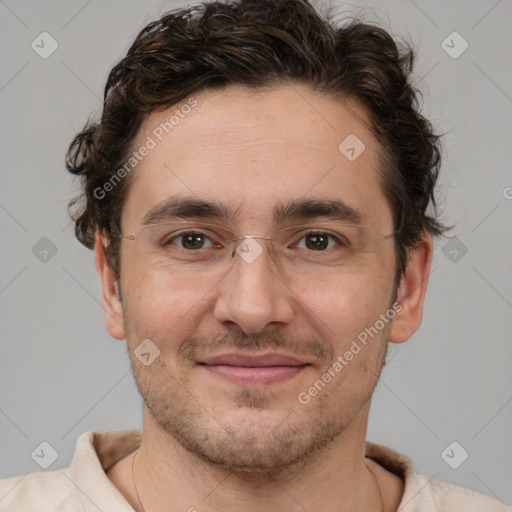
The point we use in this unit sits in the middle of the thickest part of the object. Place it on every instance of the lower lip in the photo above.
(255, 375)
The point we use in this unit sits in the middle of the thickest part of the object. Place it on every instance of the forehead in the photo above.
(253, 149)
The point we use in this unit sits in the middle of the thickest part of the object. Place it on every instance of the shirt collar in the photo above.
(97, 452)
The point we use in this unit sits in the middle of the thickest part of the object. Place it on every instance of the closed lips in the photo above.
(243, 369)
(253, 361)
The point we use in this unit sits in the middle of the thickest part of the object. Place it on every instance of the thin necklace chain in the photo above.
(133, 478)
(143, 510)
(378, 488)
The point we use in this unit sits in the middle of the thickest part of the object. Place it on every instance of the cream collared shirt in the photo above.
(85, 487)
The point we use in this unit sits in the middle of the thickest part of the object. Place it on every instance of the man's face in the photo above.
(250, 152)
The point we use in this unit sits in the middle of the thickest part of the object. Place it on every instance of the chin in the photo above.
(248, 436)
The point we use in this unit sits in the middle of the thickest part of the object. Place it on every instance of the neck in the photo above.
(335, 478)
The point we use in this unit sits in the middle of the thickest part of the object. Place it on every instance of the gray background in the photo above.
(60, 372)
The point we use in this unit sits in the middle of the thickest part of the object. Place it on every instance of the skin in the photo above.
(214, 445)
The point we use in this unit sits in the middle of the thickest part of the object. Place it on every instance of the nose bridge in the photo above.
(240, 239)
(251, 295)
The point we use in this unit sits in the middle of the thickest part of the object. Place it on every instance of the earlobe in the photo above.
(411, 292)
(111, 296)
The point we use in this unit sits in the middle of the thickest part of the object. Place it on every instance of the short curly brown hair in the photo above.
(257, 43)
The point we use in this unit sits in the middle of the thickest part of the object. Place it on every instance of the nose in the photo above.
(253, 294)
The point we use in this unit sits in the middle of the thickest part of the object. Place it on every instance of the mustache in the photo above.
(197, 347)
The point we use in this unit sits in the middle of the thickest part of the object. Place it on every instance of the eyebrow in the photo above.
(186, 207)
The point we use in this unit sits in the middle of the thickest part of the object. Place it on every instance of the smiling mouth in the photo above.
(243, 369)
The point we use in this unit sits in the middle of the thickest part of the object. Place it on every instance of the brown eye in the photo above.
(189, 240)
(193, 241)
(317, 241)
(320, 241)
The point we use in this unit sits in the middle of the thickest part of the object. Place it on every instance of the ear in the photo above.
(112, 305)
(411, 292)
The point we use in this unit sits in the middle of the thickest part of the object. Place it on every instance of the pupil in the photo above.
(317, 241)
(189, 241)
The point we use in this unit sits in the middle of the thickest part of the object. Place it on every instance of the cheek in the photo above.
(159, 307)
(346, 307)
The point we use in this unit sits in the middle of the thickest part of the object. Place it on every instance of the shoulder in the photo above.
(426, 494)
(442, 496)
(39, 492)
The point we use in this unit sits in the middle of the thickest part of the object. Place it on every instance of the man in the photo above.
(256, 193)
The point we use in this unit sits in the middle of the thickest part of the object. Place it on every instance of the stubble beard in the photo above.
(247, 447)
